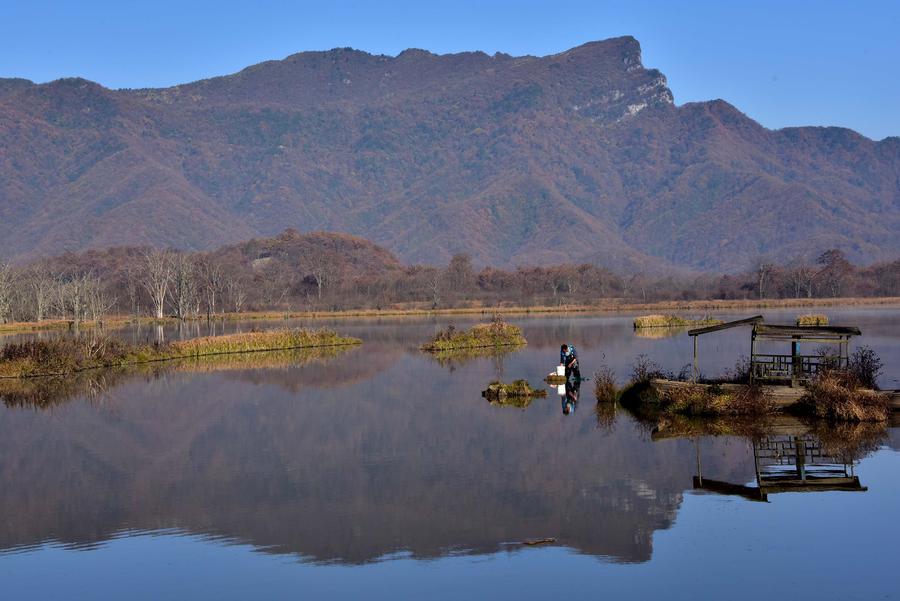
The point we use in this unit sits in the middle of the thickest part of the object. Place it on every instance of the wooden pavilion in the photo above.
(795, 368)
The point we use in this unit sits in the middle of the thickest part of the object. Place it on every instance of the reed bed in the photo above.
(498, 333)
(68, 355)
(672, 321)
(812, 319)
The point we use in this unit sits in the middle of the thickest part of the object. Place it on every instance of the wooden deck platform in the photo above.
(784, 396)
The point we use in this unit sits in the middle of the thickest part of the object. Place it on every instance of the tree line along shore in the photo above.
(313, 274)
(474, 309)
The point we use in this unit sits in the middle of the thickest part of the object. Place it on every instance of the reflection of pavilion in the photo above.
(787, 463)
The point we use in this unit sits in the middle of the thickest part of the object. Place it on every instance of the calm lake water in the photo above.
(382, 473)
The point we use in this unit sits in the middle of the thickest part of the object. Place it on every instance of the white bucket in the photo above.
(561, 390)
(560, 370)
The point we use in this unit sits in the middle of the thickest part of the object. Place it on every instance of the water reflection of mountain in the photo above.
(407, 459)
(403, 456)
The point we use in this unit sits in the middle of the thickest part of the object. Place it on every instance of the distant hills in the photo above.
(579, 156)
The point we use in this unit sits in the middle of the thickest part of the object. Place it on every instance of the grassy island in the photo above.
(69, 355)
(812, 319)
(53, 390)
(498, 333)
(672, 321)
(517, 394)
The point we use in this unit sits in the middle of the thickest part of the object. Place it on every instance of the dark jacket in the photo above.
(566, 357)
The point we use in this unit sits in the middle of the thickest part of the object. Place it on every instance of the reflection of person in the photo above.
(568, 357)
(570, 398)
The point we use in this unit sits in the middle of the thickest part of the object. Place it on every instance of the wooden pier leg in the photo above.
(694, 370)
(699, 470)
(800, 457)
(796, 364)
(752, 354)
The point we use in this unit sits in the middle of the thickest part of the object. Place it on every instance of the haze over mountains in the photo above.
(579, 156)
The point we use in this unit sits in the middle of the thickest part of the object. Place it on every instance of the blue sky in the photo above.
(783, 63)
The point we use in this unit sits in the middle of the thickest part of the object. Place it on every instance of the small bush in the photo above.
(605, 389)
(838, 395)
(865, 366)
(606, 415)
(644, 370)
(740, 373)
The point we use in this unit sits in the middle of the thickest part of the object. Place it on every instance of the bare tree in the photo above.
(132, 277)
(236, 291)
(435, 285)
(801, 276)
(764, 269)
(95, 301)
(212, 282)
(835, 270)
(324, 270)
(7, 290)
(156, 277)
(40, 285)
(183, 286)
(461, 274)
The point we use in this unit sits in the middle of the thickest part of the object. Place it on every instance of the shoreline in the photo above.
(30, 362)
(612, 306)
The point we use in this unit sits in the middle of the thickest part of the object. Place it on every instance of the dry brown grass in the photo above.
(660, 333)
(90, 384)
(519, 393)
(850, 441)
(498, 333)
(68, 355)
(683, 426)
(672, 321)
(838, 395)
(812, 319)
(701, 400)
(612, 305)
(605, 389)
(606, 415)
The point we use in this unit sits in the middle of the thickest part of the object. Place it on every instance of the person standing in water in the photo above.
(568, 357)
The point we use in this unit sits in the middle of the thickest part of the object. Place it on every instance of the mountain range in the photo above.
(579, 156)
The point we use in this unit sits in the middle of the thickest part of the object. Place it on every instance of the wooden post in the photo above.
(694, 370)
(752, 354)
(800, 457)
(699, 470)
(796, 363)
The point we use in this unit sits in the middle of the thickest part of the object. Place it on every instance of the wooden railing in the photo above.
(787, 367)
